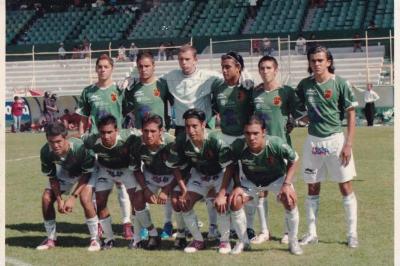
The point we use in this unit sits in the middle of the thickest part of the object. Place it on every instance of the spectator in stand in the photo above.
(121, 53)
(162, 55)
(17, 110)
(266, 47)
(133, 52)
(312, 42)
(170, 51)
(301, 45)
(75, 52)
(61, 52)
(81, 52)
(256, 46)
(370, 97)
(49, 107)
(357, 43)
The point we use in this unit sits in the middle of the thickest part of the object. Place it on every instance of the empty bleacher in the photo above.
(15, 22)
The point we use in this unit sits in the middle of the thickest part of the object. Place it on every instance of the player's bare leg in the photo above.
(312, 207)
(350, 208)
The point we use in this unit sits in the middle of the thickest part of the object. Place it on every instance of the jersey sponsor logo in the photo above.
(94, 98)
(277, 101)
(114, 97)
(115, 173)
(208, 178)
(310, 171)
(156, 92)
(160, 179)
(320, 151)
(138, 94)
(328, 94)
(102, 180)
(221, 98)
(196, 183)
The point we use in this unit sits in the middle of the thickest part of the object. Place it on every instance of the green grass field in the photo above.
(373, 153)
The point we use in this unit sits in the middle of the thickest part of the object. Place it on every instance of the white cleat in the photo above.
(308, 239)
(352, 242)
(224, 248)
(47, 244)
(285, 239)
(94, 245)
(261, 238)
(240, 247)
(294, 247)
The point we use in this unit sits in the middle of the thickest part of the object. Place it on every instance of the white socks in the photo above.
(168, 211)
(239, 223)
(250, 210)
(312, 207)
(262, 210)
(136, 228)
(190, 219)
(124, 204)
(93, 226)
(292, 221)
(50, 226)
(224, 226)
(145, 221)
(350, 208)
(180, 225)
(107, 229)
(212, 212)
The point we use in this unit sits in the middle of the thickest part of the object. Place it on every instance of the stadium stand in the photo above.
(381, 13)
(16, 21)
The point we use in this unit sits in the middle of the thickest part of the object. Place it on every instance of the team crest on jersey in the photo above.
(156, 92)
(114, 97)
(208, 154)
(270, 160)
(277, 101)
(328, 94)
(241, 96)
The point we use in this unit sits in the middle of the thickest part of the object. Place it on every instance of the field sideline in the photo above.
(374, 187)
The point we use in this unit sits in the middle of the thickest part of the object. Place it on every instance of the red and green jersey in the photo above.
(96, 102)
(326, 103)
(76, 162)
(266, 166)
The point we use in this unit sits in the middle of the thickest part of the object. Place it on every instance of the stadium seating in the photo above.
(166, 20)
(279, 16)
(381, 12)
(15, 22)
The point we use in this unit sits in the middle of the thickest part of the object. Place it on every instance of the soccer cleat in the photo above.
(308, 239)
(135, 245)
(250, 233)
(108, 245)
(194, 246)
(240, 247)
(153, 243)
(232, 234)
(261, 238)
(47, 244)
(167, 231)
(144, 234)
(294, 247)
(212, 232)
(180, 243)
(285, 239)
(94, 245)
(224, 248)
(352, 242)
(127, 231)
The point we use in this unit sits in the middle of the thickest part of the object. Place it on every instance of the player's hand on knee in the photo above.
(237, 194)
(162, 197)
(183, 201)
(220, 202)
(60, 206)
(69, 204)
(288, 196)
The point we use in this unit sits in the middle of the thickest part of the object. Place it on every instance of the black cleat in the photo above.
(180, 243)
(136, 245)
(108, 245)
(250, 233)
(153, 243)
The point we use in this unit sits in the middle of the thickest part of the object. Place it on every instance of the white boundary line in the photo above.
(16, 262)
(22, 158)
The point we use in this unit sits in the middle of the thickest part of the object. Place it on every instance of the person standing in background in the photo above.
(17, 108)
(370, 97)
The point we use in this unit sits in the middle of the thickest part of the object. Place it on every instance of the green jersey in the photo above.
(234, 108)
(142, 99)
(210, 159)
(326, 103)
(95, 102)
(268, 165)
(76, 162)
(115, 157)
(275, 106)
(154, 161)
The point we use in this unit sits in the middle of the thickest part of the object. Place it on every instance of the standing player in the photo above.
(112, 150)
(149, 95)
(97, 100)
(155, 179)
(268, 164)
(274, 103)
(207, 155)
(327, 97)
(69, 166)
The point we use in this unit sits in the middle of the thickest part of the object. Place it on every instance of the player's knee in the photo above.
(237, 203)
(314, 189)
(47, 197)
(346, 188)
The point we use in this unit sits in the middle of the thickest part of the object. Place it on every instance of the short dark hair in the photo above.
(105, 57)
(321, 49)
(56, 129)
(16, 98)
(256, 119)
(153, 118)
(236, 57)
(195, 113)
(107, 119)
(267, 58)
(145, 54)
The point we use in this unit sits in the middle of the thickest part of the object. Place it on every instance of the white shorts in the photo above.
(67, 182)
(322, 155)
(106, 178)
(228, 139)
(202, 184)
(155, 182)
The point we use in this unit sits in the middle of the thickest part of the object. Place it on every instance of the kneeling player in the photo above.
(151, 149)
(262, 159)
(205, 152)
(67, 164)
(112, 149)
